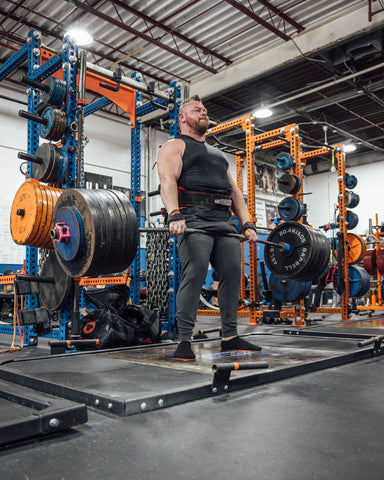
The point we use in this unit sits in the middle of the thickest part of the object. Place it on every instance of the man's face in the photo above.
(194, 114)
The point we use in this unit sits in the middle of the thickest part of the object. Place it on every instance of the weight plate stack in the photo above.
(356, 248)
(352, 199)
(286, 290)
(289, 183)
(308, 255)
(53, 167)
(31, 214)
(284, 161)
(53, 295)
(290, 208)
(380, 261)
(350, 181)
(104, 228)
(352, 220)
(57, 92)
(56, 124)
(359, 282)
(369, 262)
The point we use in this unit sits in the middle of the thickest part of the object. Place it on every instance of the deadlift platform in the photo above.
(132, 380)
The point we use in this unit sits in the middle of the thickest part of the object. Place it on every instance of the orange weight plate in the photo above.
(31, 214)
(356, 248)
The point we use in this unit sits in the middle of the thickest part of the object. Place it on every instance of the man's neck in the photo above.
(192, 133)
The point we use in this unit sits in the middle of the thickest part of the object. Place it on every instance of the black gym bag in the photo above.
(131, 325)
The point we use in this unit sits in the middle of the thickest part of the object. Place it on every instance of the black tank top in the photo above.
(204, 168)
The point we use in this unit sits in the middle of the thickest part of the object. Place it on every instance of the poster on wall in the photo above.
(266, 178)
(271, 212)
(260, 214)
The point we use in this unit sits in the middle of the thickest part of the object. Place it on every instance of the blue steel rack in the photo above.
(67, 60)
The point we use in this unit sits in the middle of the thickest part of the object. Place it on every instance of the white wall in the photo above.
(370, 188)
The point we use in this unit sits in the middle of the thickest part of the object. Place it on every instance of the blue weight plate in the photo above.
(70, 249)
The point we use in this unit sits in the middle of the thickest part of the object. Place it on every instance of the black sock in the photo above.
(238, 343)
(184, 351)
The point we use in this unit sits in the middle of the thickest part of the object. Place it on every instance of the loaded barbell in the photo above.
(96, 232)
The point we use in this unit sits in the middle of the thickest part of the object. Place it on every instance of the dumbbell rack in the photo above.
(42, 63)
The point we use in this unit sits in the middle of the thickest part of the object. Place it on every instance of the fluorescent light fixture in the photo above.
(80, 37)
(262, 112)
(349, 147)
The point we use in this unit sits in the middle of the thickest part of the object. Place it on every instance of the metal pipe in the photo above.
(129, 82)
(326, 85)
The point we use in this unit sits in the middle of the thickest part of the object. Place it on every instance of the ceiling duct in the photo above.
(355, 49)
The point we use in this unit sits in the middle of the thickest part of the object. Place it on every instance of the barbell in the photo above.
(96, 232)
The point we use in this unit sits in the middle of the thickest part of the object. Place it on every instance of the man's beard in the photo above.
(199, 126)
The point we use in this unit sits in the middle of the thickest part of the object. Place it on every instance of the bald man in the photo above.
(198, 191)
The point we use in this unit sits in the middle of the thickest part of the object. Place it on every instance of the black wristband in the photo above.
(174, 217)
(248, 225)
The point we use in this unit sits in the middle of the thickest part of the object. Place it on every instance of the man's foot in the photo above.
(184, 352)
(238, 343)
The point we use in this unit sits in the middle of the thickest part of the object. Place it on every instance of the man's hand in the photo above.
(249, 230)
(176, 223)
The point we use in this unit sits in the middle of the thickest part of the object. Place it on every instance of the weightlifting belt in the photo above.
(203, 199)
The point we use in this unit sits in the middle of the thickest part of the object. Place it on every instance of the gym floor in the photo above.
(324, 424)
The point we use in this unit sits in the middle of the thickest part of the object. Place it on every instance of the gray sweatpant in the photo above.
(196, 251)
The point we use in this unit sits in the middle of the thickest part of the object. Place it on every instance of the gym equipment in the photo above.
(350, 181)
(352, 220)
(95, 232)
(286, 290)
(31, 214)
(285, 161)
(53, 122)
(289, 183)
(53, 295)
(369, 262)
(356, 248)
(359, 282)
(48, 163)
(290, 208)
(352, 199)
(380, 260)
(53, 90)
(307, 258)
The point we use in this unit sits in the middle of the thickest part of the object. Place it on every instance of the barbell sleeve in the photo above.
(371, 340)
(32, 116)
(34, 84)
(34, 278)
(30, 158)
(284, 247)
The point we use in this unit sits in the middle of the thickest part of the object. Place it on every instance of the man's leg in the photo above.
(194, 252)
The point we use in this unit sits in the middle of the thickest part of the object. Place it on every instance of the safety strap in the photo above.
(203, 199)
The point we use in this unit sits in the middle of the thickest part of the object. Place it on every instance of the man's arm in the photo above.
(239, 208)
(169, 166)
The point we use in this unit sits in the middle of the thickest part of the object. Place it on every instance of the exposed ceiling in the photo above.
(291, 54)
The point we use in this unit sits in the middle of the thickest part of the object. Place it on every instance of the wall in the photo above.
(324, 188)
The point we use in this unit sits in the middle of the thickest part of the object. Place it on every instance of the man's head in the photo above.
(193, 118)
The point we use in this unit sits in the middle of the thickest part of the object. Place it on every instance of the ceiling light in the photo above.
(349, 147)
(80, 37)
(262, 112)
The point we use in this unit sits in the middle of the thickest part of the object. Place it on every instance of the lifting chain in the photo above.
(157, 271)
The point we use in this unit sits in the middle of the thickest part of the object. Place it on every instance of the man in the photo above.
(199, 192)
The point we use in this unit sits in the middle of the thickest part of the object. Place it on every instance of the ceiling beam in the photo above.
(171, 31)
(144, 36)
(281, 14)
(258, 19)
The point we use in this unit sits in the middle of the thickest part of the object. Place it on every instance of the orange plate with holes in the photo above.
(356, 248)
(31, 214)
